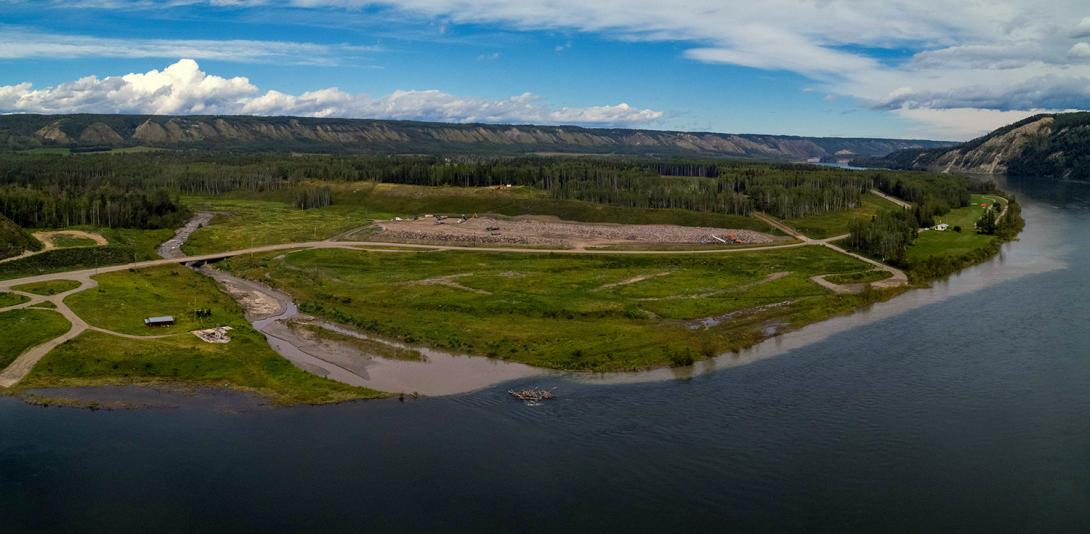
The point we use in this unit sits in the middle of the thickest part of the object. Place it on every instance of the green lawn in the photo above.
(247, 362)
(932, 243)
(22, 329)
(51, 287)
(560, 311)
(133, 296)
(833, 224)
(11, 299)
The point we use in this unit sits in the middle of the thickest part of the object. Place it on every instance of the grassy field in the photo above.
(11, 299)
(246, 362)
(51, 287)
(949, 243)
(68, 241)
(133, 296)
(22, 329)
(568, 312)
(245, 223)
(834, 224)
(269, 218)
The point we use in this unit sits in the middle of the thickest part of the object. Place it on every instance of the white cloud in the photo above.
(21, 43)
(1079, 50)
(1000, 55)
(961, 123)
(183, 88)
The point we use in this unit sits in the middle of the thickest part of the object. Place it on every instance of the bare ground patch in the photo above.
(539, 231)
(450, 281)
(633, 280)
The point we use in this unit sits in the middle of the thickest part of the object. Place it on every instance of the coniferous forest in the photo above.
(140, 189)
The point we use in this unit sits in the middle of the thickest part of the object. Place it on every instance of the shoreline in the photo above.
(391, 373)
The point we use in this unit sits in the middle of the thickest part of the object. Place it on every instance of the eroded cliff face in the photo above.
(995, 153)
(362, 135)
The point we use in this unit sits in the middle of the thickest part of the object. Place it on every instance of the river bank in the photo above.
(957, 407)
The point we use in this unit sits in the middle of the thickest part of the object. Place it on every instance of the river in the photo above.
(960, 407)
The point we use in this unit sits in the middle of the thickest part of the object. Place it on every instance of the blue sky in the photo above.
(946, 70)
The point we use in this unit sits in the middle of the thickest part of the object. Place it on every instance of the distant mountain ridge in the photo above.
(1056, 145)
(305, 134)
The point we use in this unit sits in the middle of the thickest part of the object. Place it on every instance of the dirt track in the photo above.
(46, 238)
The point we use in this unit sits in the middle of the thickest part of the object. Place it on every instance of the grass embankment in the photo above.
(604, 313)
(11, 299)
(245, 363)
(126, 245)
(256, 219)
(22, 329)
(936, 254)
(837, 223)
(51, 287)
(14, 240)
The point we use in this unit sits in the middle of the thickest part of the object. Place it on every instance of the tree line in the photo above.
(723, 186)
(102, 206)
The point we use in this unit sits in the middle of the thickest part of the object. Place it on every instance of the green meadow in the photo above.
(601, 313)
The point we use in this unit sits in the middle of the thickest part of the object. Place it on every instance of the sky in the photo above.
(931, 69)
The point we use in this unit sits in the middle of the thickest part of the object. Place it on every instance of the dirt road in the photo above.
(892, 199)
(898, 277)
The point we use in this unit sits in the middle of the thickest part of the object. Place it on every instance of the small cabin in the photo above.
(165, 320)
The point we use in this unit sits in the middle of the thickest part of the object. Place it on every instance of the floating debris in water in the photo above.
(532, 395)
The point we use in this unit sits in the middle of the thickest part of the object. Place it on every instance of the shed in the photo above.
(165, 320)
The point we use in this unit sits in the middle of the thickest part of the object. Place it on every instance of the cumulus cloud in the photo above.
(183, 88)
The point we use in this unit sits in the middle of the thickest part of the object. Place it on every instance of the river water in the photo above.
(961, 407)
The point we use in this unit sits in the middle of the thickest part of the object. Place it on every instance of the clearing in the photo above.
(554, 233)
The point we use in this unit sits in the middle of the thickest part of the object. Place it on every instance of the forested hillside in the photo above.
(14, 240)
(362, 136)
